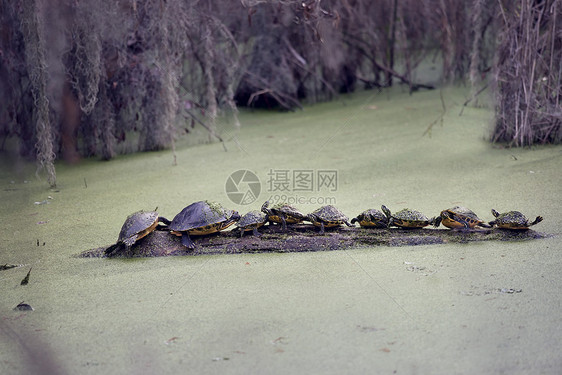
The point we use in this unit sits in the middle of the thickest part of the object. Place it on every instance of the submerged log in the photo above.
(301, 238)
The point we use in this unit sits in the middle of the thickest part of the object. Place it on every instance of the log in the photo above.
(305, 237)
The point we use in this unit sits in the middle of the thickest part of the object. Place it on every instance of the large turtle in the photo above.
(513, 220)
(326, 217)
(459, 217)
(201, 218)
(251, 222)
(371, 219)
(406, 218)
(136, 226)
(283, 214)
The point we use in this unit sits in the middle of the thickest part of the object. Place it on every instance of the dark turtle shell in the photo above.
(251, 221)
(513, 220)
(283, 213)
(328, 216)
(371, 219)
(203, 217)
(459, 217)
(137, 225)
(407, 218)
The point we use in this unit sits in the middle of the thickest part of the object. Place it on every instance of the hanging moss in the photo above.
(34, 39)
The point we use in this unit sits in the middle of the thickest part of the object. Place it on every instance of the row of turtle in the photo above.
(204, 217)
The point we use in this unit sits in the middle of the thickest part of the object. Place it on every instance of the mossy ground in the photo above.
(437, 308)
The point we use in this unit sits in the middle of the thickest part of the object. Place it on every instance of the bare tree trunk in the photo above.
(392, 41)
(32, 28)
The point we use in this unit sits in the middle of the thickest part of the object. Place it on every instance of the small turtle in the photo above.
(513, 220)
(136, 226)
(251, 222)
(326, 217)
(406, 218)
(371, 219)
(201, 218)
(459, 217)
(283, 214)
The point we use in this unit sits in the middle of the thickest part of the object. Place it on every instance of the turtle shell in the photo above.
(276, 212)
(137, 225)
(203, 217)
(407, 218)
(460, 217)
(371, 218)
(252, 219)
(513, 220)
(329, 215)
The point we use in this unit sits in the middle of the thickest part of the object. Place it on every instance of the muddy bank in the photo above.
(302, 238)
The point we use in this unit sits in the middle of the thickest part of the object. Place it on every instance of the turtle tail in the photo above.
(484, 225)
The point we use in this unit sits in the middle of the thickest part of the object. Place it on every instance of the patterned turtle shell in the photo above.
(459, 217)
(371, 218)
(251, 222)
(201, 218)
(327, 217)
(283, 214)
(513, 220)
(407, 218)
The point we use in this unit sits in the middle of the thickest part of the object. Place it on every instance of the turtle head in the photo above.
(386, 211)
(537, 220)
(265, 209)
(495, 213)
(235, 216)
(436, 221)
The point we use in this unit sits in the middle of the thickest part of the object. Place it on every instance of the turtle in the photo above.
(406, 218)
(283, 214)
(371, 218)
(459, 217)
(200, 218)
(136, 226)
(513, 220)
(251, 222)
(326, 217)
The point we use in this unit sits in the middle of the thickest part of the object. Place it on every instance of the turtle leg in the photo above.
(284, 222)
(241, 232)
(322, 231)
(113, 248)
(131, 240)
(186, 241)
(255, 232)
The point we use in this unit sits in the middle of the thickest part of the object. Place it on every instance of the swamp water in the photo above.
(478, 307)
